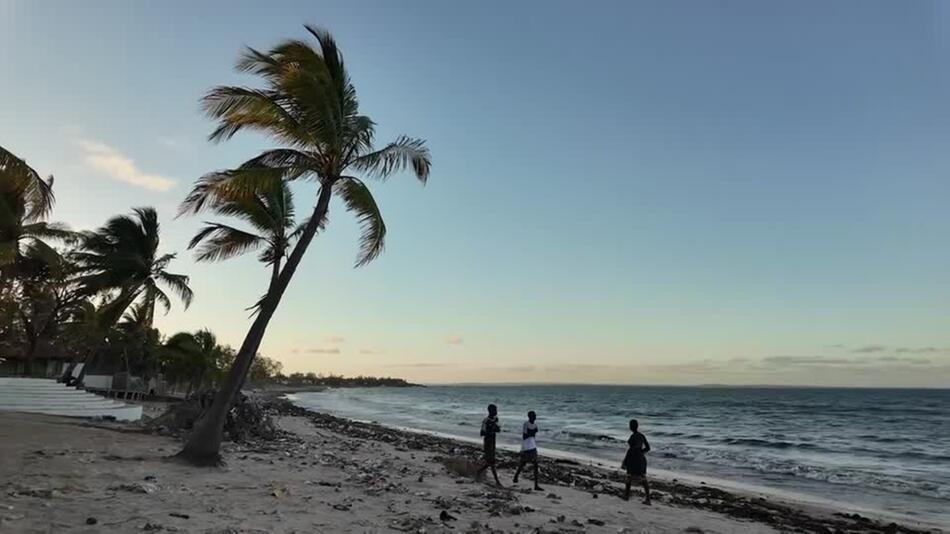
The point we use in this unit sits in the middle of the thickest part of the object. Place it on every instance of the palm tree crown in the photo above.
(122, 258)
(26, 200)
(309, 105)
(269, 213)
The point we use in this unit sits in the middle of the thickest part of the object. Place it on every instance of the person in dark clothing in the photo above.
(635, 462)
(490, 428)
(529, 448)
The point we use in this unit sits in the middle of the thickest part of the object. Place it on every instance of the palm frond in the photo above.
(217, 188)
(217, 242)
(178, 283)
(22, 190)
(238, 108)
(153, 295)
(49, 230)
(360, 201)
(402, 153)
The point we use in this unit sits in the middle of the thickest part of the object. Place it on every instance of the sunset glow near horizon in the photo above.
(647, 193)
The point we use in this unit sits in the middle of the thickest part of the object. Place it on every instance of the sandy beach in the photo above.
(324, 474)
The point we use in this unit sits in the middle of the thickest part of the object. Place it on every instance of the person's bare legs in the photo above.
(626, 491)
(494, 472)
(646, 490)
(536, 475)
(518, 471)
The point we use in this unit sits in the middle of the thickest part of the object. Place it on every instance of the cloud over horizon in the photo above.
(331, 350)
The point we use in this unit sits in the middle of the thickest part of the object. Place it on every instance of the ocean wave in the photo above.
(770, 465)
(754, 442)
(587, 436)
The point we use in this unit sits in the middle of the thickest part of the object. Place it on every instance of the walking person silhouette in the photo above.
(635, 462)
(490, 428)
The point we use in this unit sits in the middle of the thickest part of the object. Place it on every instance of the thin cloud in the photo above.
(918, 350)
(454, 340)
(899, 359)
(418, 365)
(332, 350)
(515, 368)
(867, 349)
(806, 360)
(117, 166)
(370, 351)
(336, 340)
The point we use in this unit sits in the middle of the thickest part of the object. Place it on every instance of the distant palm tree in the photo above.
(309, 105)
(269, 212)
(193, 358)
(26, 200)
(121, 260)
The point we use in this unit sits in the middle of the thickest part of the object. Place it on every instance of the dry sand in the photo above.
(58, 475)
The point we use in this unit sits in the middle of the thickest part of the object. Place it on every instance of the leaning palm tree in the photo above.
(309, 106)
(268, 212)
(26, 200)
(121, 261)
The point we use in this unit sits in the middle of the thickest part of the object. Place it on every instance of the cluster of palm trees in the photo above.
(60, 284)
(307, 105)
(91, 296)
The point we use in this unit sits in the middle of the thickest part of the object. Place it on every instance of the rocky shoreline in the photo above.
(458, 457)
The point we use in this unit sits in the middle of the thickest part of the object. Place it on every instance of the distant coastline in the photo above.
(707, 386)
(300, 383)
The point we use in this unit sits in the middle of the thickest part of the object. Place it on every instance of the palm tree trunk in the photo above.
(204, 444)
(275, 276)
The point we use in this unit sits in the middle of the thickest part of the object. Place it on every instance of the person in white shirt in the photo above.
(529, 447)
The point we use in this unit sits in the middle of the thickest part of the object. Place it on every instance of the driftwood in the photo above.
(247, 420)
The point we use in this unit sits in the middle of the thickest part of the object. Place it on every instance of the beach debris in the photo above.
(694, 530)
(247, 421)
(179, 515)
(144, 487)
(91, 520)
(41, 493)
(410, 524)
(461, 466)
(445, 516)
(596, 522)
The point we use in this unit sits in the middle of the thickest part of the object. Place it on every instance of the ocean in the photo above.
(885, 450)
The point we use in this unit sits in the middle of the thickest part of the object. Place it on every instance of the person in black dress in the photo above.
(490, 429)
(635, 462)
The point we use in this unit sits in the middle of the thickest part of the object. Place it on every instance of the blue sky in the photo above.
(649, 192)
